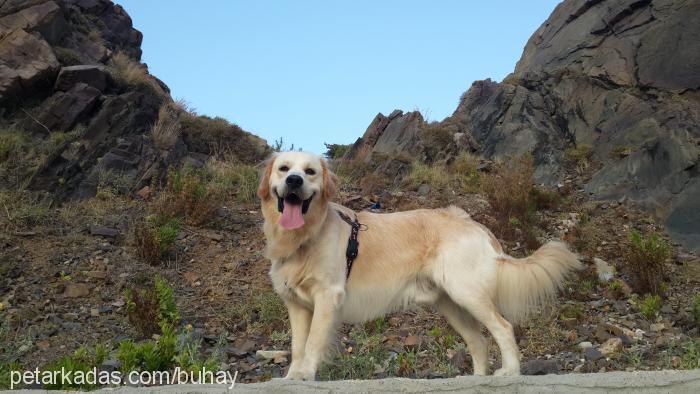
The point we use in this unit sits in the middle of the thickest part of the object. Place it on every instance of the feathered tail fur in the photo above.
(526, 283)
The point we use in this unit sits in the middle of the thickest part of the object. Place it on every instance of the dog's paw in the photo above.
(506, 372)
(301, 374)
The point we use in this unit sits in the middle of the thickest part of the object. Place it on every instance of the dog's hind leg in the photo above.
(465, 324)
(483, 309)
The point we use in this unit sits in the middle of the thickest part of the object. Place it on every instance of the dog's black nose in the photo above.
(294, 181)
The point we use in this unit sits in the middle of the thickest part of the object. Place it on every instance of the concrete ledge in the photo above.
(617, 382)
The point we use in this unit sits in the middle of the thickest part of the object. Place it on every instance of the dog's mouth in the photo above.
(293, 209)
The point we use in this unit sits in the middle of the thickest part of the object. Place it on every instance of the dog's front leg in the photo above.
(327, 302)
(300, 322)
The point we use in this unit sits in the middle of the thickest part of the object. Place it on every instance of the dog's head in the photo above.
(299, 183)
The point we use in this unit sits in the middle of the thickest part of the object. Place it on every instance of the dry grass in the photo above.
(509, 190)
(645, 260)
(129, 72)
(240, 179)
(190, 194)
(167, 129)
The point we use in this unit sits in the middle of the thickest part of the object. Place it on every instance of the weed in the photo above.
(435, 139)
(650, 306)
(619, 152)
(586, 286)
(155, 237)
(406, 364)
(366, 355)
(690, 358)
(81, 362)
(645, 260)
(67, 56)
(434, 176)
(239, 178)
(264, 311)
(696, 309)
(167, 129)
(380, 325)
(190, 194)
(149, 355)
(129, 72)
(5, 372)
(578, 156)
(149, 310)
(24, 209)
(509, 190)
(571, 312)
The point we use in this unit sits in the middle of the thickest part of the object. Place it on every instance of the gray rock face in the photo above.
(618, 76)
(388, 135)
(26, 63)
(93, 75)
(63, 111)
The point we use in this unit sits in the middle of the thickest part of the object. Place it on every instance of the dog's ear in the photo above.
(329, 180)
(264, 187)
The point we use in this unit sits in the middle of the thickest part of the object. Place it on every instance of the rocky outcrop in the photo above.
(58, 83)
(622, 77)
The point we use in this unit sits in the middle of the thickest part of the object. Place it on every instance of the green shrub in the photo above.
(645, 260)
(149, 355)
(81, 362)
(696, 309)
(190, 194)
(690, 358)
(149, 310)
(263, 311)
(571, 312)
(238, 178)
(155, 237)
(650, 306)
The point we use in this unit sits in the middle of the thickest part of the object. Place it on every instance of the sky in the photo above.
(312, 72)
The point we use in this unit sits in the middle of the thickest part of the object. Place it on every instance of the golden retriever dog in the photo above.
(437, 257)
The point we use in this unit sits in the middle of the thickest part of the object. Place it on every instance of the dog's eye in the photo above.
(310, 171)
(284, 168)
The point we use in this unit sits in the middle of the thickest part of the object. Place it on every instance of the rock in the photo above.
(541, 367)
(110, 365)
(45, 18)
(411, 341)
(459, 359)
(76, 290)
(62, 111)
(592, 354)
(103, 231)
(604, 270)
(424, 189)
(95, 76)
(145, 193)
(585, 345)
(26, 63)
(611, 347)
(657, 327)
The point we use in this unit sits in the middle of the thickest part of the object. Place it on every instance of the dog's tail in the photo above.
(524, 284)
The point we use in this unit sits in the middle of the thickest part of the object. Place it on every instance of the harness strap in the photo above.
(353, 245)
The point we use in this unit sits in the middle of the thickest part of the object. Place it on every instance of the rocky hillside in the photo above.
(616, 82)
(79, 109)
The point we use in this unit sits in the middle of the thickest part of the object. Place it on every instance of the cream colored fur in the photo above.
(438, 257)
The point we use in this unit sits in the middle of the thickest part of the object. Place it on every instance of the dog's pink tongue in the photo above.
(291, 216)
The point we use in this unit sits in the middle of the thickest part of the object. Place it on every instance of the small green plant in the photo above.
(5, 374)
(690, 358)
(406, 364)
(149, 355)
(156, 236)
(264, 312)
(65, 276)
(696, 309)
(645, 261)
(579, 155)
(80, 362)
(435, 332)
(361, 363)
(380, 325)
(586, 286)
(650, 306)
(149, 310)
(571, 312)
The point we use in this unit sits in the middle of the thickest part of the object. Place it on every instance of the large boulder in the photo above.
(64, 110)
(27, 64)
(45, 18)
(93, 75)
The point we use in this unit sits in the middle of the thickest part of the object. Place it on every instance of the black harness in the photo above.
(353, 245)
